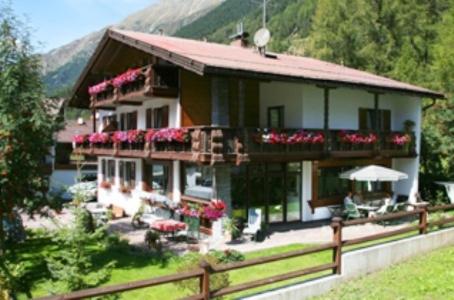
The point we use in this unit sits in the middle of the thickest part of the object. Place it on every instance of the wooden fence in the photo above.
(205, 270)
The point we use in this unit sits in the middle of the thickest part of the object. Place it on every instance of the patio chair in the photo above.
(254, 221)
(351, 211)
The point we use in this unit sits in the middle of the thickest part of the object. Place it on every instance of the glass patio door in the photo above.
(276, 193)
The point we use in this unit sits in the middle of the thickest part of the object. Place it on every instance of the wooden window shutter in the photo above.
(362, 117)
(104, 170)
(122, 173)
(122, 121)
(386, 120)
(132, 174)
(133, 120)
(165, 116)
(149, 118)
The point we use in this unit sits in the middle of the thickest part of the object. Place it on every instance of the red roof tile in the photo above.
(248, 60)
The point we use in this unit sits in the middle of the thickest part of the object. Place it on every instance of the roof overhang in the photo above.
(203, 69)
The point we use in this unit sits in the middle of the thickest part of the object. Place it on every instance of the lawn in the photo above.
(428, 276)
(134, 265)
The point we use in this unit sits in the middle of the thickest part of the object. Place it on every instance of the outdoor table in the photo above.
(367, 208)
(168, 226)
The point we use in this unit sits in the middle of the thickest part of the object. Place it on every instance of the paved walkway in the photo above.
(283, 235)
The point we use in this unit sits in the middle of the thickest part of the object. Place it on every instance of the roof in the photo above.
(211, 58)
(71, 129)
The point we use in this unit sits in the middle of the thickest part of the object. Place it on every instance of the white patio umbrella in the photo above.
(373, 173)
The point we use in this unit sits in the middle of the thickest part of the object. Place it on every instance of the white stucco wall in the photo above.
(304, 108)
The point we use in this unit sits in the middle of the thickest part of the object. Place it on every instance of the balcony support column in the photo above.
(93, 117)
(326, 96)
(376, 109)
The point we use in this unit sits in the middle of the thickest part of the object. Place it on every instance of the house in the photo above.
(63, 168)
(192, 120)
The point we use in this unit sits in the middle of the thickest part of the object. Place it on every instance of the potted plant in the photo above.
(409, 125)
(232, 231)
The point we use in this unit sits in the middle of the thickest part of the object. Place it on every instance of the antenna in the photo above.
(264, 13)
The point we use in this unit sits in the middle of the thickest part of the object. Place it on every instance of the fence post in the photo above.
(205, 280)
(336, 224)
(423, 219)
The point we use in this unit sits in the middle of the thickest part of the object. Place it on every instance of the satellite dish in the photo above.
(262, 37)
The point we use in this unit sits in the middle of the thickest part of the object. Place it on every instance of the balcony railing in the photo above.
(134, 86)
(224, 144)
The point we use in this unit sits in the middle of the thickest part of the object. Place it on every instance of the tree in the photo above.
(27, 124)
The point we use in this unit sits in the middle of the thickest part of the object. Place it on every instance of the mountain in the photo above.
(63, 65)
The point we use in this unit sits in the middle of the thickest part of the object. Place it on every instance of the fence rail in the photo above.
(205, 270)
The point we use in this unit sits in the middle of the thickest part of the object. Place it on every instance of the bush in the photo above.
(192, 261)
(227, 256)
(153, 240)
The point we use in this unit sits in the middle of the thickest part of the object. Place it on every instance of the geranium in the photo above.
(400, 139)
(149, 135)
(306, 137)
(274, 138)
(119, 137)
(190, 210)
(215, 210)
(135, 136)
(99, 88)
(179, 135)
(357, 138)
(127, 77)
(99, 138)
(80, 139)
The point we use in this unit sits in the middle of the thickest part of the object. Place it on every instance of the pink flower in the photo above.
(179, 135)
(357, 138)
(99, 138)
(99, 88)
(119, 137)
(400, 139)
(127, 77)
(80, 139)
(149, 135)
(215, 210)
(135, 136)
(305, 137)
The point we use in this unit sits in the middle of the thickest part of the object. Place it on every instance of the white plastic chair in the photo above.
(254, 221)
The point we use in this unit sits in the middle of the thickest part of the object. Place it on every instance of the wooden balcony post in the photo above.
(149, 80)
(336, 224)
(205, 280)
(217, 146)
(423, 219)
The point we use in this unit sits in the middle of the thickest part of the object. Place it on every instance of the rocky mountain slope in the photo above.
(64, 64)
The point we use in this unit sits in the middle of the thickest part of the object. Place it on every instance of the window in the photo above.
(276, 117)
(109, 123)
(157, 117)
(368, 119)
(198, 181)
(108, 170)
(157, 177)
(329, 183)
(128, 174)
(128, 121)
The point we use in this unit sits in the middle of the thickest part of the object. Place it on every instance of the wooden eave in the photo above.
(203, 69)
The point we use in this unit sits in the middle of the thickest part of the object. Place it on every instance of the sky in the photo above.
(57, 22)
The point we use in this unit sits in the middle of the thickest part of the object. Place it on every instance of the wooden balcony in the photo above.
(238, 145)
(158, 81)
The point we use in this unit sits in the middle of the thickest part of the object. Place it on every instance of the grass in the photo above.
(426, 277)
(133, 264)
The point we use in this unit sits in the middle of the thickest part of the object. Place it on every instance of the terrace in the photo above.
(237, 145)
(135, 86)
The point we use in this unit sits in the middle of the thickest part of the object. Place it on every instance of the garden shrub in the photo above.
(192, 261)
(227, 256)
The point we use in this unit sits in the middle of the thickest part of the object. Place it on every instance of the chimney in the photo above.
(240, 38)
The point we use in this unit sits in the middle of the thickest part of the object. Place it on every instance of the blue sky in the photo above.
(57, 22)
